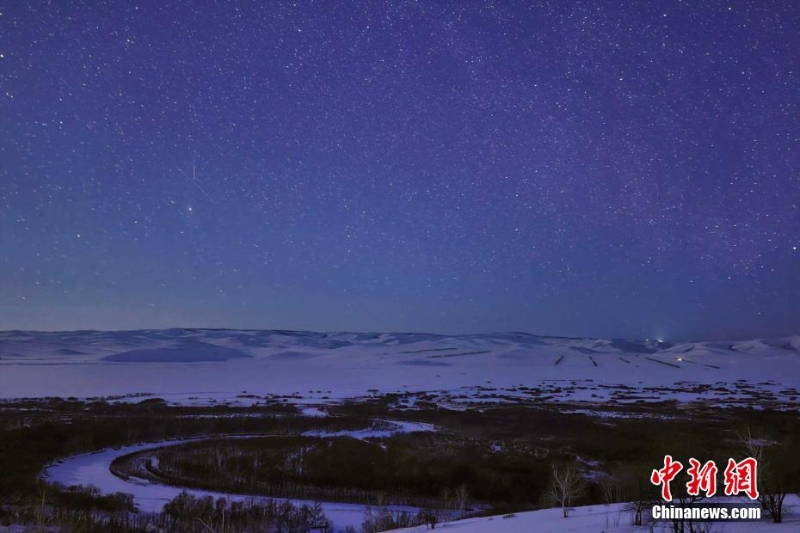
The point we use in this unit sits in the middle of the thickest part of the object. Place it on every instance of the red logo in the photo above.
(742, 477)
(702, 479)
(664, 476)
(739, 477)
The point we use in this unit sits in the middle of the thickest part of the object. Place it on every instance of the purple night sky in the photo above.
(610, 169)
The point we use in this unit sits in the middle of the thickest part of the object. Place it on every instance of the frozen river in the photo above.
(94, 469)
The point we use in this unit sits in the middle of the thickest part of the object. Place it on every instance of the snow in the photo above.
(188, 353)
(602, 518)
(94, 469)
(235, 367)
(392, 429)
(216, 366)
(314, 412)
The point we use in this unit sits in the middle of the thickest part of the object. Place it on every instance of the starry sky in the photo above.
(606, 169)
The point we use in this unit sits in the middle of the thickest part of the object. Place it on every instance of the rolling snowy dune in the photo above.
(239, 367)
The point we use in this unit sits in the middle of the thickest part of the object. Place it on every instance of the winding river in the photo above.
(94, 469)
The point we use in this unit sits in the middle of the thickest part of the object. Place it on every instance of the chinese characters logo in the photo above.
(739, 477)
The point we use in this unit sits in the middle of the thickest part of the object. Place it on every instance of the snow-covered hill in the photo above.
(239, 367)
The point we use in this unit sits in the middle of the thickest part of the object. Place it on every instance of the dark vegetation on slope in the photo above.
(501, 455)
(36, 432)
(497, 458)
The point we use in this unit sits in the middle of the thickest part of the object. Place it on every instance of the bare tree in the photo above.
(680, 525)
(447, 498)
(753, 446)
(635, 488)
(461, 499)
(771, 476)
(42, 516)
(610, 489)
(567, 485)
(430, 518)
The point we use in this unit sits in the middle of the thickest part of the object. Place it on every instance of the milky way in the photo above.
(613, 169)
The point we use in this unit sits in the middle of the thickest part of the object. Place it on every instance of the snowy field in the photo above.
(315, 371)
(603, 518)
(242, 367)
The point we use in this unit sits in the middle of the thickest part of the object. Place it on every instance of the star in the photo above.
(365, 169)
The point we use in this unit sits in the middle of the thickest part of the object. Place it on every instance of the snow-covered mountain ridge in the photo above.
(224, 365)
